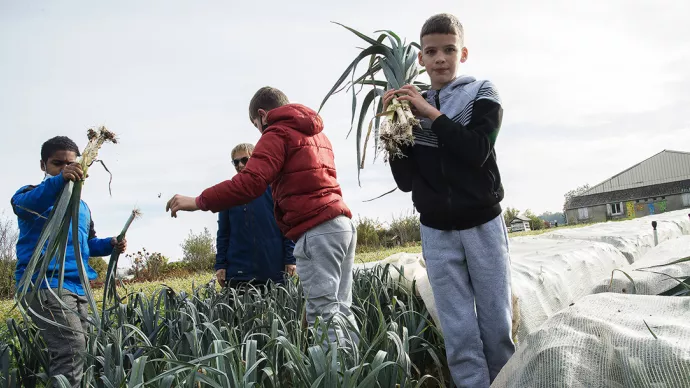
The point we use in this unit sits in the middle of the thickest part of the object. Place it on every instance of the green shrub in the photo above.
(8, 262)
(100, 266)
(147, 266)
(7, 268)
(406, 228)
(199, 251)
(368, 230)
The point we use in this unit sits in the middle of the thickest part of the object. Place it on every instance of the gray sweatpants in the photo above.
(66, 347)
(325, 256)
(469, 268)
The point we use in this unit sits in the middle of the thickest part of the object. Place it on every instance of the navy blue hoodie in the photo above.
(250, 245)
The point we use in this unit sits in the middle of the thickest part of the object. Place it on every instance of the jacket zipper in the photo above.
(437, 100)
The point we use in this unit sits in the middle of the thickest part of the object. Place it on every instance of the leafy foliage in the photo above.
(199, 250)
(535, 222)
(243, 339)
(8, 262)
(509, 214)
(100, 266)
(398, 63)
(574, 193)
(147, 266)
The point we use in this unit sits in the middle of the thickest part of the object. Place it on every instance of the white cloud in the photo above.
(589, 88)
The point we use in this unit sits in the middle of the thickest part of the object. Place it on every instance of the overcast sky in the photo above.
(588, 89)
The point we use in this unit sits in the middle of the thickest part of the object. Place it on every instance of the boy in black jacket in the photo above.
(456, 187)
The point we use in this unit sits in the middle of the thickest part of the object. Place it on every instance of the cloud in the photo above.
(589, 88)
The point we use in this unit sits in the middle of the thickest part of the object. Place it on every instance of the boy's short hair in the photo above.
(58, 143)
(246, 147)
(266, 98)
(443, 23)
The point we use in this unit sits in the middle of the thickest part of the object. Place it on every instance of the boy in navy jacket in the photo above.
(251, 248)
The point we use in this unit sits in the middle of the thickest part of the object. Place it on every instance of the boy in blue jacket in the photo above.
(453, 175)
(32, 205)
(251, 249)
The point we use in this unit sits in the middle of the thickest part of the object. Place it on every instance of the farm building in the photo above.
(655, 185)
(520, 224)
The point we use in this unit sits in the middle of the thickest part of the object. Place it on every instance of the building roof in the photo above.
(651, 191)
(520, 218)
(664, 167)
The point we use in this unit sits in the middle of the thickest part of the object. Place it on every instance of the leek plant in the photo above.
(393, 128)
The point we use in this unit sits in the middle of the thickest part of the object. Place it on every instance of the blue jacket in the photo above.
(40, 199)
(250, 245)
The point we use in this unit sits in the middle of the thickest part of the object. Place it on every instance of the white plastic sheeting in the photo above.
(634, 237)
(568, 337)
(602, 342)
(550, 275)
(655, 280)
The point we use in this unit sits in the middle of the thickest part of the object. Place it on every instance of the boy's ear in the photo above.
(419, 57)
(43, 166)
(463, 55)
(263, 114)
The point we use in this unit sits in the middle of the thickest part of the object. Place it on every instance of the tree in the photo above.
(100, 266)
(8, 260)
(535, 223)
(574, 193)
(509, 214)
(199, 251)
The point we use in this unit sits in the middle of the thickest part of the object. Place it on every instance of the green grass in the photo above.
(381, 254)
(543, 231)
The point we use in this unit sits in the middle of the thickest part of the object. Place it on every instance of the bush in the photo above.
(177, 269)
(147, 266)
(406, 228)
(8, 262)
(368, 230)
(7, 268)
(199, 251)
(100, 266)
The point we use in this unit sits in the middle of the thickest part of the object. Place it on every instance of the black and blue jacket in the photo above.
(451, 169)
(249, 244)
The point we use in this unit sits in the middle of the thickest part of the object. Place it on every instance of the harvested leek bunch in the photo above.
(65, 213)
(398, 62)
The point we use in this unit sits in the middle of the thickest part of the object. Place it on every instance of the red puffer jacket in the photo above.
(296, 159)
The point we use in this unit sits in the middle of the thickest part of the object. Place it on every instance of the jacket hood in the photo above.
(459, 81)
(297, 117)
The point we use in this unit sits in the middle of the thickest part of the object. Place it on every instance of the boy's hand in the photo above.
(387, 97)
(422, 107)
(181, 203)
(72, 172)
(220, 276)
(119, 246)
(290, 269)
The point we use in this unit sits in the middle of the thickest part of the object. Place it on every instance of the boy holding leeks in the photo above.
(32, 206)
(452, 173)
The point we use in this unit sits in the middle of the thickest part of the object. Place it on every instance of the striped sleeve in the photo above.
(488, 91)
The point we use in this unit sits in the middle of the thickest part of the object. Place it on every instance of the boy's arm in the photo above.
(475, 141)
(222, 241)
(262, 169)
(404, 169)
(288, 248)
(32, 200)
(99, 247)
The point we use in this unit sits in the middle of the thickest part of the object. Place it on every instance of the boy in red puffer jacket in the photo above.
(296, 159)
